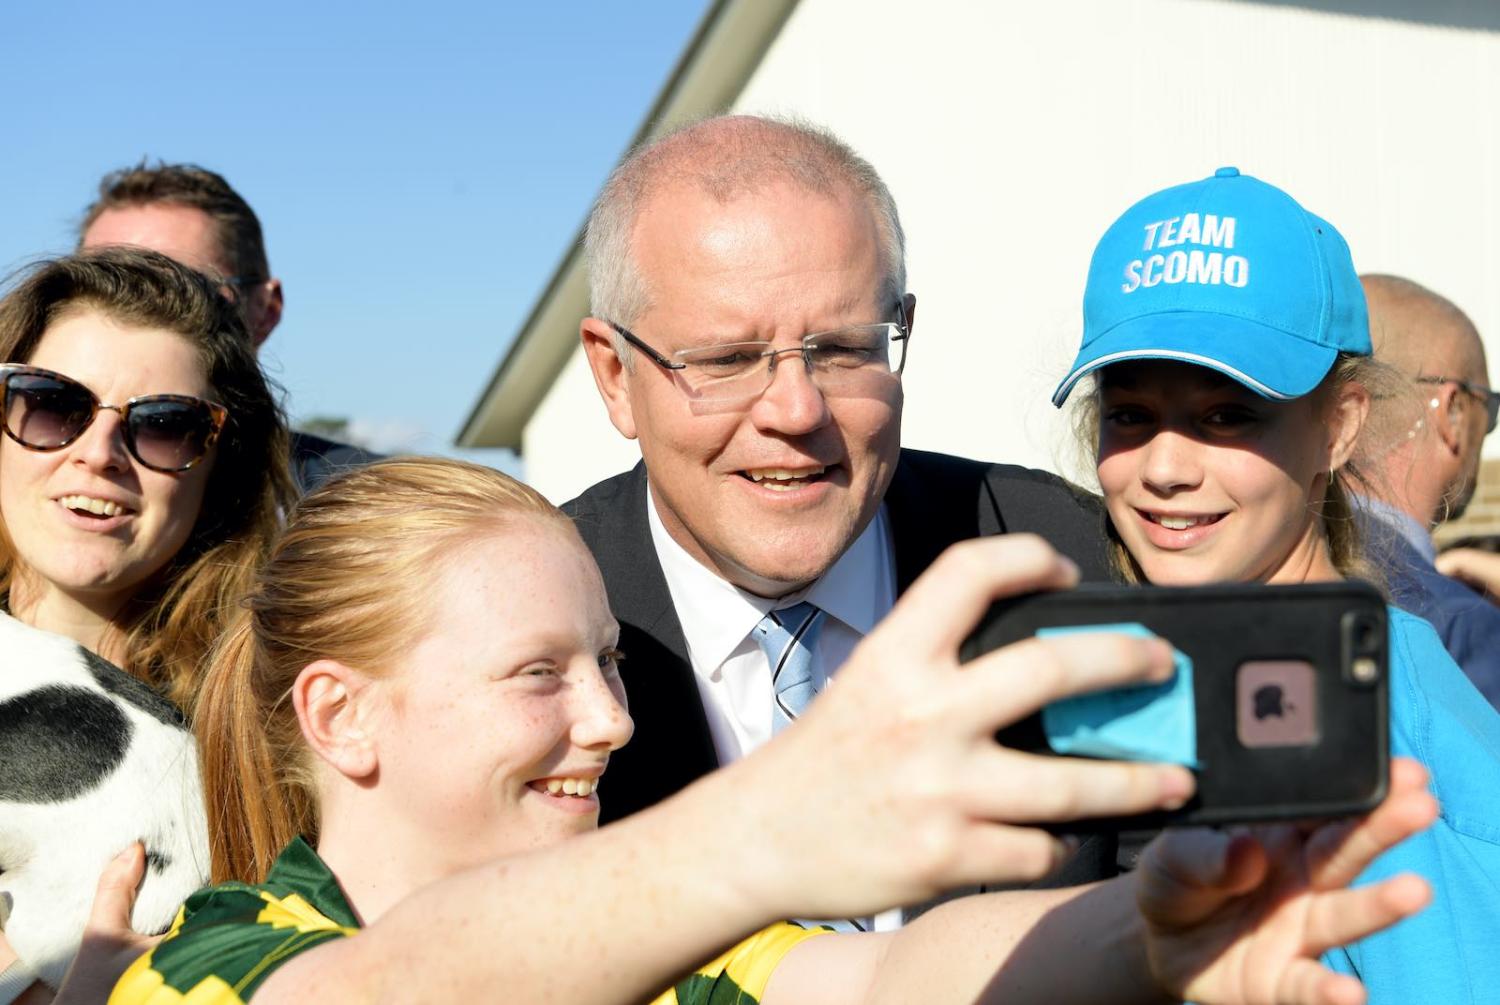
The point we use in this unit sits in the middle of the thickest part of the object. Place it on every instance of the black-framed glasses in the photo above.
(841, 361)
(1489, 398)
(43, 410)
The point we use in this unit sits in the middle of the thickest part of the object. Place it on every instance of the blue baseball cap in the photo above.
(1228, 273)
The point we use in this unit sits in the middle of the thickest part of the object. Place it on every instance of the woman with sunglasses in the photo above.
(143, 466)
(143, 474)
(403, 733)
(1226, 335)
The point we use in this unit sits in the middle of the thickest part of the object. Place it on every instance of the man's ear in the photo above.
(269, 315)
(909, 306)
(1346, 419)
(335, 723)
(1447, 417)
(610, 375)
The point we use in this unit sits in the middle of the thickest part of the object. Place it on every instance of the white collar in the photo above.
(716, 616)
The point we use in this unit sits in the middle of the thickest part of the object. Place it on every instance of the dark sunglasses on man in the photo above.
(43, 410)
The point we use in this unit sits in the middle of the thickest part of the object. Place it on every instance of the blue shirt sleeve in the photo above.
(1447, 953)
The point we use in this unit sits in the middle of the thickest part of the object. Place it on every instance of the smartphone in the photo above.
(1283, 714)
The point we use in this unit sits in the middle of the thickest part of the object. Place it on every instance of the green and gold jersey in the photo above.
(228, 939)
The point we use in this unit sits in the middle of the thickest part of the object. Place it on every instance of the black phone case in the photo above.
(1345, 770)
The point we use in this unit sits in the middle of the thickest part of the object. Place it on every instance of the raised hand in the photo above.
(1242, 917)
(899, 788)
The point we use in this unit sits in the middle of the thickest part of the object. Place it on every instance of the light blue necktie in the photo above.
(787, 637)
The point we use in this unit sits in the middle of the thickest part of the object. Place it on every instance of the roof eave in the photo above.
(718, 61)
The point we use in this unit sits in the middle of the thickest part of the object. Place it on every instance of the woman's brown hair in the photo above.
(164, 631)
(349, 580)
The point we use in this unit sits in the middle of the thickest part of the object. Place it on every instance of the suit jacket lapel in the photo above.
(632, 573)
(672, 744)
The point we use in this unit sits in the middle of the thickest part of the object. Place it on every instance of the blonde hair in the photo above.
(162, 634)
(1334, 512)
(349, 580)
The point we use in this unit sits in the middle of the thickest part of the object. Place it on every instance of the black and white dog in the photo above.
(91, 759)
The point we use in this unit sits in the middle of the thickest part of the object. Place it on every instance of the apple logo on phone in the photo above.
(1268, 702)
(1276, 703)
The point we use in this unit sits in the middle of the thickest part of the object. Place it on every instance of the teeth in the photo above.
(98, 507)
(773, 475)
(1181, 522)
(572, 786)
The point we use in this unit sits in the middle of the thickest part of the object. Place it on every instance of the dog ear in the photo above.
(334, 719)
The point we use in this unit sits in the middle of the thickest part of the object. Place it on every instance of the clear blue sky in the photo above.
(418, 167)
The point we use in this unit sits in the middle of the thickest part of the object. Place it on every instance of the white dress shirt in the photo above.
(717, 617)
(733, 676)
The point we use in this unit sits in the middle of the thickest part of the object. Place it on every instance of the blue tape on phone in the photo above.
(1148, 722)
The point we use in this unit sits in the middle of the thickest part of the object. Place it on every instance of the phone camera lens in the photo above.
(1366, 636)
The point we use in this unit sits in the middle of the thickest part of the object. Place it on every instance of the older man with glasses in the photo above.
(750, 327)
(1428, 474)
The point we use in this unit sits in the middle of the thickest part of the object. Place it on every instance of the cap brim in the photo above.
(1270, 362)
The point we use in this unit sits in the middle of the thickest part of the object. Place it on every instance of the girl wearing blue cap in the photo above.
(1226, 334)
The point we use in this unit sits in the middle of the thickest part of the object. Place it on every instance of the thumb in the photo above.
(114, 897)
(1187, 875)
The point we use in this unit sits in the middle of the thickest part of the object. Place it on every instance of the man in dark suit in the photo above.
(750, 326)
(193, 215)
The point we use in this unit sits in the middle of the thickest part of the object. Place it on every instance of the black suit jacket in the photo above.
(315, 459)
(934, 500)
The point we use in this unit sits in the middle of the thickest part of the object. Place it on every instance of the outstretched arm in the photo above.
(1237, 918)
(890, 789)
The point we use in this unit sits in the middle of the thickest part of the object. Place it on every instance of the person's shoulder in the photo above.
(1439, 717)
(1009, 479)
(971, 498)
(743, 971)
(225, 942)
(607, 495)
(315, 458)
(611, 515)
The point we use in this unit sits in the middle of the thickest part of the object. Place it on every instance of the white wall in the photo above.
(1013, 133)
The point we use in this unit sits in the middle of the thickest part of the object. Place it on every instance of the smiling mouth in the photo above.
(784, 479)
(91, 506)
(578, 788)
(1179, 522)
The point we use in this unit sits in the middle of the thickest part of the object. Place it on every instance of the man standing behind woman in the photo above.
(1231, 380)
(1435, 417)
(194, 216)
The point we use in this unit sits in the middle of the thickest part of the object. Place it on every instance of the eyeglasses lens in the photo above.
(170, 435)
(847, 361)
(45, 413)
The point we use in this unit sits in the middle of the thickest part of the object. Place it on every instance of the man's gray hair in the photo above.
(726, 157)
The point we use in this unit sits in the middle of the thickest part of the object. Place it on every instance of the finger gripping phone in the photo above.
(1287, 704)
